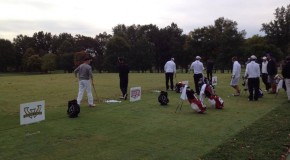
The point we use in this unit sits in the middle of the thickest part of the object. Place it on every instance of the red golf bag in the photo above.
(195, 103)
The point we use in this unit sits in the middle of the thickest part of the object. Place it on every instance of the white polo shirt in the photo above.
(236, 69)
(264, 67)
(252, 70)
(197, 67)
(170, 67)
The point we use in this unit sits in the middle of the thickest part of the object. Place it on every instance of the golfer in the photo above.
(236, 75)
(286, 75)
(272, 72)
(253, 73)
(170, 70)
(123, 75)
(84, 74)
(265, 73)
(197, 67)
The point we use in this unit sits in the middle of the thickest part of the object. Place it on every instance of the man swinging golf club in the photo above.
(84, 74)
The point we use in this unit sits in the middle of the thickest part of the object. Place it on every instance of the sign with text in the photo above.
(135, 94)
(32, 112)
(214, 80)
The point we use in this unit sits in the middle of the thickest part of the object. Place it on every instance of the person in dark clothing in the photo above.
(272, 72)
(123, 75)
(286, 75)
(209, 68)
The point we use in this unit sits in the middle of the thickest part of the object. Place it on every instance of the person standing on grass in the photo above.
(85, 77)
(265, 73)
(170, 71)
(236, 75)
(286, 75)
(124, 77)
(197, 67)
(209, 68)
(253, 73)
(272, 72)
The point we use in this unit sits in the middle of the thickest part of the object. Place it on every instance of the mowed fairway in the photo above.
(127, 130)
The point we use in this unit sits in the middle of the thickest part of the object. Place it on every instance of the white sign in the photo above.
(32, 112)
(135, 94)
(183, 95)
(214, 80)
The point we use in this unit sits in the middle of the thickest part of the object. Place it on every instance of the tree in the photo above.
(7, 55)
(48, 62)
(67, 62)
(116, 47)
(278, 31)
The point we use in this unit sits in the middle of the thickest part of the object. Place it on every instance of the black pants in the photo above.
(209, 75)
(253, 85)
(169, 77)
(265, 81)
(124, 85)
(196, 78)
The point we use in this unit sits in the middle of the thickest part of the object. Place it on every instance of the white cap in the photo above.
(197, 57)
(264, 58)
(253, 57)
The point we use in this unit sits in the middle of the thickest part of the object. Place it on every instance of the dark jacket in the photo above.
(286, 70)
(272, 68)
(123, 70)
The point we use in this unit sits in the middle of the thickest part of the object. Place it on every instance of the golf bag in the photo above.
(179, 87)
(208, 92)
(195, 103)
(163, 98)
(245, 84)
(73, 109)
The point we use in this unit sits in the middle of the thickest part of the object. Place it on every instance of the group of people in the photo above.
(267, 70)
(85, 78)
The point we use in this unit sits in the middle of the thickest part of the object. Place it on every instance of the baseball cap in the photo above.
(253, 57)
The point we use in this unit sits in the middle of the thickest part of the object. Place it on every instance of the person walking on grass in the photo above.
(253, 73)
(170, 71)
(236, 75)
(85, 77)
(124, 77)
(197, 67)
(286, 75)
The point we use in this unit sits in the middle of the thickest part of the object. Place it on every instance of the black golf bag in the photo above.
(163, 98)
(73, 109)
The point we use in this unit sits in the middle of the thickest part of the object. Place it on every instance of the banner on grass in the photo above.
(32, 112)
(135, 94)
(214, 80)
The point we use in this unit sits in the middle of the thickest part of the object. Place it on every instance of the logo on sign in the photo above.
(135, 93)
(32, 112)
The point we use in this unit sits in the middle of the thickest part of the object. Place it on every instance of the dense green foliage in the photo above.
(147, 47)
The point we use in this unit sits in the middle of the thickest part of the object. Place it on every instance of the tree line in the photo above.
(146, 47)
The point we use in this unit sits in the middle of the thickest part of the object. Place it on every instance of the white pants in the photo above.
(85, 85)
(287, 83)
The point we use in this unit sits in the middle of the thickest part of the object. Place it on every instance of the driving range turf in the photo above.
(141, 129)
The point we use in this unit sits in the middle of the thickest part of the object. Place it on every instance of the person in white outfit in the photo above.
(170, 70)
(197, 67)
(84, 74)
(236, 75)
(253, 73)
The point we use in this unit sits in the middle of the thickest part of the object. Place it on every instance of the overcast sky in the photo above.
(91, 17)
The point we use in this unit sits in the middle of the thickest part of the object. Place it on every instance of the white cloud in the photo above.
(91, 17)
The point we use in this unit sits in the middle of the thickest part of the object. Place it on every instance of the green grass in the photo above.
(137, 130)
